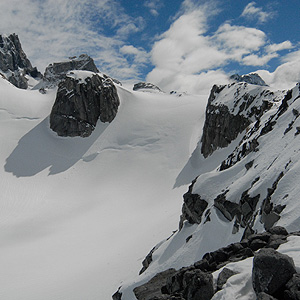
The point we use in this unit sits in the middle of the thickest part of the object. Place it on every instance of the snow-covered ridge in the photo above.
(248, 185)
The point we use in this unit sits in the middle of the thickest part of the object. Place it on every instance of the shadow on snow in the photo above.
(40, 149)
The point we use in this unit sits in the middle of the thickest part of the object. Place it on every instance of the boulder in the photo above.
(198, 285)
(271, 271)
(224, 275)
(81, 102)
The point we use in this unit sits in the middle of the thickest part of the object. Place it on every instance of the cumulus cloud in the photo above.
(186, 51)
(253, 12)
(51, 30)
(140, 56)
(153, 6)
(279, 47)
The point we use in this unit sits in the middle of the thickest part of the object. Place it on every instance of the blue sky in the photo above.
(185, 45)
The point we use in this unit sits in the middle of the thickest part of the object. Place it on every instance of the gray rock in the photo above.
(147, 261)
(56, 72)
(14, 62)
(252, 78)
(271, 271)
(152, 288)
(79, 105)
(220, 127)
(117, 295)
(264, 296)
(224, 275)
(292, 291)
(193, 207)
(18, 80)
(146, 86)
(198, 285)
(279, 230)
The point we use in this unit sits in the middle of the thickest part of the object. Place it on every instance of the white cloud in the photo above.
(240, 37)
(256, 60)
(186, 51)
(139, 54)
(292, 57)
(253, 12)
(153, 6)
(51, 30)
(279, 47)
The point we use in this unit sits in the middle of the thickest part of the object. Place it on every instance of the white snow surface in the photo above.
(78, 215)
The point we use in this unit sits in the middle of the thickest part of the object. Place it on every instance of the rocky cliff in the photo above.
(82, 98)
(250, 151)
(14, 63)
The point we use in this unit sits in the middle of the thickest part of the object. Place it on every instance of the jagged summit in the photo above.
(14, 63)
(57, 71)
(252, 78)
(146, 86)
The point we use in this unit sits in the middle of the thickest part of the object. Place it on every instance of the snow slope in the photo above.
(273, 175)
(77, 216)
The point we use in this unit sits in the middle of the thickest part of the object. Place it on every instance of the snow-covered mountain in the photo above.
(246, 165)
(79, 214)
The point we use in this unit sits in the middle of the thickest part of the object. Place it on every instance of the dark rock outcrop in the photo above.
(292, 291)
(252, 78)
(14, 62)
(271, 271)
(146, 86)
(80, 103)
(152, 288)
(193, 207)
(56, 72)
(221, 126)
(195, 281)
(224, 275)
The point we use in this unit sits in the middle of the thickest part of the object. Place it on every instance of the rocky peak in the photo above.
(14, 62)
(252, 78)
(82, 98)
(230, 110)
(146, 86)
(57, 71)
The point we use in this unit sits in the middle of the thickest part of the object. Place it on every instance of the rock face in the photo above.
(14, 62)
(271, 271)
(230, 110)
(195, 282)
(56, 72)
(80, 102)
(233, 110)
(252, 78)
(193, 207)
(146, 86)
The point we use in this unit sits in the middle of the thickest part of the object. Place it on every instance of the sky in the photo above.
(183, 45)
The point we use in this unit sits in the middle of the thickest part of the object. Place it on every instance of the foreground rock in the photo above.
(83, 98)
(271, 271)
(195, 282)
(14, 63)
